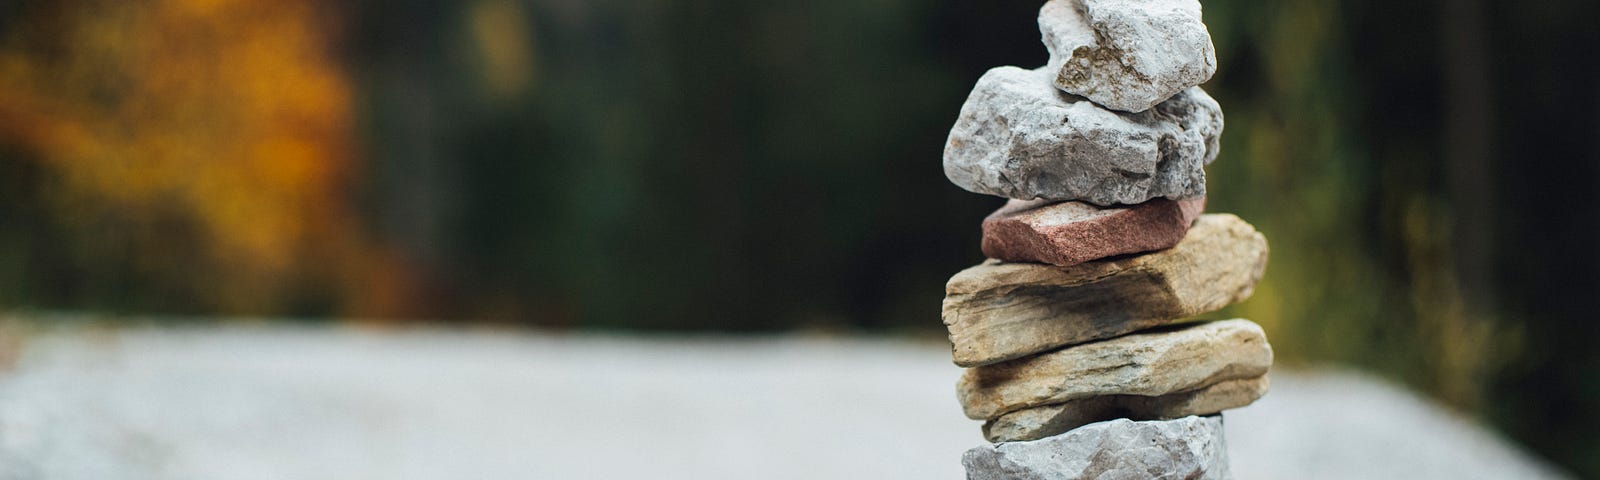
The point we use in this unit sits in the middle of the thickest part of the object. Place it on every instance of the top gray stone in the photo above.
(1127, 55)
(1020, 137)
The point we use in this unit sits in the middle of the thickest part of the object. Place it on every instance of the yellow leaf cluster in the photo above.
(229, 118)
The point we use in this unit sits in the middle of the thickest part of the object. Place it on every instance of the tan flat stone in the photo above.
(1160, 362)
(1050, 420)
(999, 311)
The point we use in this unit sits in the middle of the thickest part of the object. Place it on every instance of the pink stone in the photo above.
(1070, 233)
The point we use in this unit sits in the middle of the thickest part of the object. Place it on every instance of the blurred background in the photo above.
(1426, 172)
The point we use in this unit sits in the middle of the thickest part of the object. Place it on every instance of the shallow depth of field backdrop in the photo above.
(1426, 171)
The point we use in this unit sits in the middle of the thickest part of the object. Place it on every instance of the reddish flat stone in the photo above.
(1070, 233)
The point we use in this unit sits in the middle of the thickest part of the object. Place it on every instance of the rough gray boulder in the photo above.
(1019, 137)
(1186, 448)
(1127, 55)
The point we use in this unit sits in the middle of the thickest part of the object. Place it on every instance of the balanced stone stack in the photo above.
(1080, 359)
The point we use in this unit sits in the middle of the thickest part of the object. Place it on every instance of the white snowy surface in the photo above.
(303, 403)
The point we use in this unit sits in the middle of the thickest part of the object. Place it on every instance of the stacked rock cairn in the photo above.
(1079, 355)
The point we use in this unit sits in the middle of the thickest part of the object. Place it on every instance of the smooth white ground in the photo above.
(242, 403)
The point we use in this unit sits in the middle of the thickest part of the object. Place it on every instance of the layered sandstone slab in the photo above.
(1151, 364)
(1049, 420)
(1000, 311)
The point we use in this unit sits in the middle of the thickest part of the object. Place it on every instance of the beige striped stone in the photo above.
(1160, 362)
(1000, 311)
(1049, 420)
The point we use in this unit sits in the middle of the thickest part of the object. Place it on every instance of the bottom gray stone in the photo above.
(1186, 448)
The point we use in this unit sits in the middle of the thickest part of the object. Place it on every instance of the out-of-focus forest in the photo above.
(1425, 171)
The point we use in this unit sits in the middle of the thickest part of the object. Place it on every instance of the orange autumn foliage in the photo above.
(215, 135)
